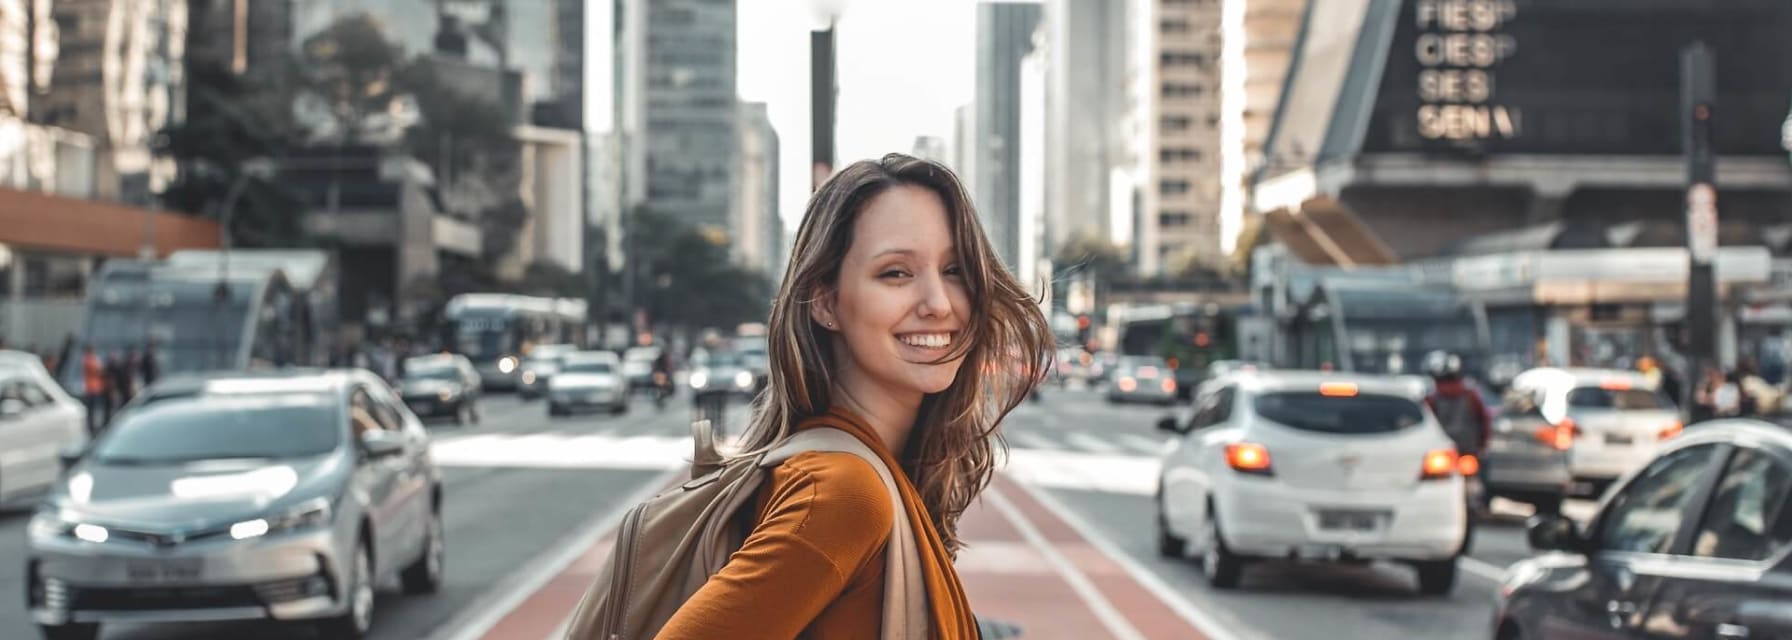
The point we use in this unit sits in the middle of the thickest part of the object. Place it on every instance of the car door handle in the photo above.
(1732, 631)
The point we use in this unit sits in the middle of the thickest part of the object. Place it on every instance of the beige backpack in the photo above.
(669, 546)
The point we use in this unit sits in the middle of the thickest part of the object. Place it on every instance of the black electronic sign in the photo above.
(1578, 76)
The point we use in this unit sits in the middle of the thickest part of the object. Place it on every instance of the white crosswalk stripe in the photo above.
(1142, 444)
(563, 451)
(1090, 443)
(1030, 440)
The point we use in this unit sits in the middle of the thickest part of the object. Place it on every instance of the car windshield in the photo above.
(213, 427)
(446, 374)
(1351, 415)
(718, 360)
(1617, 399)
(588, 366)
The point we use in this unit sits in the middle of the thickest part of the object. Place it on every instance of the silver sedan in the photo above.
(284, 497)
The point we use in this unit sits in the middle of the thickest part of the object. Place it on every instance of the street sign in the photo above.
(1701, 222)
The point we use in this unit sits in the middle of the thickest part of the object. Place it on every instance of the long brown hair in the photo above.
(1006, 344)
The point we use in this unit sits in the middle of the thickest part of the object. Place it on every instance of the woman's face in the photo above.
(900, 300)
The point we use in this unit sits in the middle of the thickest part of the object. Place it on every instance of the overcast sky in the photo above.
(904, 67)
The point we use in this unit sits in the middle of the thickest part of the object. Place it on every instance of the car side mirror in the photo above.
(1551, 532)
(1168, 424)
(382, 444)
(11, 408)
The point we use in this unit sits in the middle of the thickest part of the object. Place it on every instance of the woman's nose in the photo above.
(934, 301)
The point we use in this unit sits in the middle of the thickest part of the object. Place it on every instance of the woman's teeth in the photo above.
(928, 340)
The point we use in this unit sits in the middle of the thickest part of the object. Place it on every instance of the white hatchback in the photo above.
(39, 424)
(1312, 466)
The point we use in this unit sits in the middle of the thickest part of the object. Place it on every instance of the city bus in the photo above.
(207, 311)
(1188, 336)
(496, 330)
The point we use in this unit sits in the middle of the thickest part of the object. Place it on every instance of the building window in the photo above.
(1173, 187)
(1169, 219)
(1213, 122)
(1183, 90)
(1175, 123)
(1179, 154)
(1174, 25)
(1183, 59)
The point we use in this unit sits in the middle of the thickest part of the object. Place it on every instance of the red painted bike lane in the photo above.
(1024, 566)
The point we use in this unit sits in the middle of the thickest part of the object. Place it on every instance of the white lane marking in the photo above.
(1116, 623)
(1201, 618)
(557, 451)
(1126, 474)
(1142, 444)
(1091, 443)
(1481, 569)
(1030, 440)
(510, 593)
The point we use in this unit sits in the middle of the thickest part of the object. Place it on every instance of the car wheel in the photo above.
(425, 575)
(556, 410)
(354, 623)
(1222, 568)
(70, 631)
(1168, 545)
(619, 409)
(1436, 577)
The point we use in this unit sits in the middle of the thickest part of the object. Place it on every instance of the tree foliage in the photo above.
(687, 278)
(230, 122)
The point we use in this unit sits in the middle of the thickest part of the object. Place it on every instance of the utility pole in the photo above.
(1698, 97)
(823, 85)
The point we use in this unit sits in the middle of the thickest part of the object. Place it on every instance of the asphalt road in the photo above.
(1113, 502)
(521, 488)
(501, 515)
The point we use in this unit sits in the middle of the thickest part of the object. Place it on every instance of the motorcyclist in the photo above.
(1459, 408)
(662, 377)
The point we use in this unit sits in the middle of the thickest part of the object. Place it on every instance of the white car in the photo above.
(588, 379)
(1613, 421)
(39, 423)
(1312, 466)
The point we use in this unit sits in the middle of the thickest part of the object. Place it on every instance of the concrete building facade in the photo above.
(1004, 37)
(677, 113)
(1179, 220)
(758, 229)
(119, 78)
(1085, 112)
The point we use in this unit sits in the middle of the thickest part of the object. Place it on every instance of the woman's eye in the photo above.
(954, 270)
(893, 273)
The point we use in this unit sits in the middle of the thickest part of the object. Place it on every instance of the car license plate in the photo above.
(1618, 438)
(1346, 520)
(163, 571)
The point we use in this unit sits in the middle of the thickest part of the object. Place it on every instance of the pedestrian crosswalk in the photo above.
(1119, 463)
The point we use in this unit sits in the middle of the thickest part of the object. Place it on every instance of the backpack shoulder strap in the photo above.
(905, 589)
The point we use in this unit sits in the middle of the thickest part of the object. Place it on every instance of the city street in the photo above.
(525, 493)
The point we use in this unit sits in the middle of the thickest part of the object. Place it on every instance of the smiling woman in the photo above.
(898, 324)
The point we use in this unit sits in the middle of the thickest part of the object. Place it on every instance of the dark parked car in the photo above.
(442, 385)
(1697, 544)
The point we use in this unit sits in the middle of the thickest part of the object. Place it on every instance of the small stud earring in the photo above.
(830, 325)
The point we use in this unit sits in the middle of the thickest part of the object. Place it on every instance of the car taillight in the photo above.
(1169, 385)
(1248, 457)
(1468, 465)
(1668, 432)
(1439, 464)
(1128, 384)
(1559, 436)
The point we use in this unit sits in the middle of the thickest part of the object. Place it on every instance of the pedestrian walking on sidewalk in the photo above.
(898, 324)
(93, 387)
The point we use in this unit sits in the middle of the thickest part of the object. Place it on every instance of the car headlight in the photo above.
(308, 514)
(743, 380)
(50, 524)
(528, 377)
(506, 364)
(699, 380)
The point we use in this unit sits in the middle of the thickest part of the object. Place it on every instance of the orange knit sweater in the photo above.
(813, 567)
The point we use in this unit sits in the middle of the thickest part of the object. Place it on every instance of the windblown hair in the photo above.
(1006, 344)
